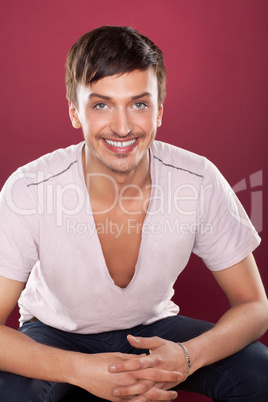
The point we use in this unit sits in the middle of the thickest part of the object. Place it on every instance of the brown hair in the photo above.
(110, 50)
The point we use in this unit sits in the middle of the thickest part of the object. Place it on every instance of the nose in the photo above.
(121, 124)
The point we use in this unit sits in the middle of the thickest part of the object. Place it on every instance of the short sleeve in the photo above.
(19, 228)
(225, 234)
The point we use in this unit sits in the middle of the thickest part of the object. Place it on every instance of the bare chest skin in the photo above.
(120, 231)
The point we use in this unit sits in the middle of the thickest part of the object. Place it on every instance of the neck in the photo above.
(104, 183)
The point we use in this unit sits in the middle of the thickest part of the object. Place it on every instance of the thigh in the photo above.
(240, 377)
(50, 336)
(18, 388)
(80, 395)
(176, 329)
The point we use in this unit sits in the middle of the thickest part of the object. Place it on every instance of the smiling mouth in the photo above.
(120, 144)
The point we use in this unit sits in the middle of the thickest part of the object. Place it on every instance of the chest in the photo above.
(120, 232)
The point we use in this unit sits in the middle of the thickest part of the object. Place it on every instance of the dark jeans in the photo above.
(242, 377)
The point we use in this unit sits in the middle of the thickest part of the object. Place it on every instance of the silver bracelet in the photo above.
(187, 357)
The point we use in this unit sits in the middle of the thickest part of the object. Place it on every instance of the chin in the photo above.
(120, 169)
(121, 165)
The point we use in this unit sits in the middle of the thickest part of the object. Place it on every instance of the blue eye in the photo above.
(140, 105)
(100, 106)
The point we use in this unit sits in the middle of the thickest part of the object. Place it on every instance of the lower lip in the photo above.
(119, 150)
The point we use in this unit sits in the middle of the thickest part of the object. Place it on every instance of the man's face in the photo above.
(119, 116)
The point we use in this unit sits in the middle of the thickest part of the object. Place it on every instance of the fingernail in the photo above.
(116, 392)
(135, 339)
(112, 369)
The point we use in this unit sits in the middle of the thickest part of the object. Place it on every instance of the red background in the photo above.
(217, 62)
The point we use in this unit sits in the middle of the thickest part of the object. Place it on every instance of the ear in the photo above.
(74, 115)
(159, 115)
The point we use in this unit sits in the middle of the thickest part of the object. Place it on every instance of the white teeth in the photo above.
(119, 144)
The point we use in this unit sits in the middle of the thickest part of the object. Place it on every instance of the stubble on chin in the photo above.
(121, 168)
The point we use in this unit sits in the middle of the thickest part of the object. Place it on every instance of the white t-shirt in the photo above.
(48, 233)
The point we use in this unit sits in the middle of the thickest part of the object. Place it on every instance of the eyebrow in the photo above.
(94, 94)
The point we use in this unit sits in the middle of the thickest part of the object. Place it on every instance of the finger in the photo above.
(145, 343)
(126, 356)
(143, 398)
(139, 398)
(138, 388)
(159, 376)
(127, 398)
(147, 378)
(129, 363)
(142, 362)
(157, 394)
(152, 393)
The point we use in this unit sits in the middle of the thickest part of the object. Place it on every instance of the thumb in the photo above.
(145, 343)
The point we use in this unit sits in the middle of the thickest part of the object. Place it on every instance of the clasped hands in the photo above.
(153, 375)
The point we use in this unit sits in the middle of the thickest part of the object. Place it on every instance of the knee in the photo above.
(250, 374)
(17, 388)
(241, 377)
(255, 370)
(13, 387)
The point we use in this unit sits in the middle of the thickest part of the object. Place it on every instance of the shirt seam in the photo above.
(176, 167)
(52, 177)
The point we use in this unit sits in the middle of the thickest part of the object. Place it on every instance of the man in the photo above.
(103, 229)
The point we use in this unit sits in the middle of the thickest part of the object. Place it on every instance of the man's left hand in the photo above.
(165, 355)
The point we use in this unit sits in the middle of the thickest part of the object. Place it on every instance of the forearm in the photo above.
(21, 355)
(238, 327)
(243, 323)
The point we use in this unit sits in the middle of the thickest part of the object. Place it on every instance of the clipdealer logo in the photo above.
(68, 200)
(254, 185)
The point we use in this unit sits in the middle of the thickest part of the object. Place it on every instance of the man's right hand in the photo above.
(91, 373)
(23, 356)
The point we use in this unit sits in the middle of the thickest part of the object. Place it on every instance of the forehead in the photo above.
(125, 85)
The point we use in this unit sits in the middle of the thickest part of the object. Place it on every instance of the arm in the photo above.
(19, 353)
(244, 322)
(22, 355)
